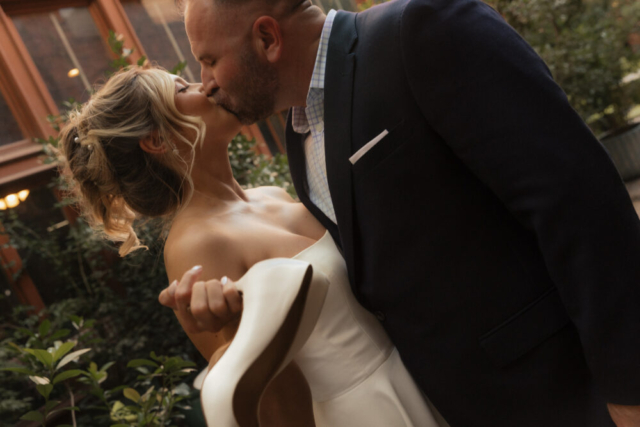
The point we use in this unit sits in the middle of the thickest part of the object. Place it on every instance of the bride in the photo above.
(150, 144)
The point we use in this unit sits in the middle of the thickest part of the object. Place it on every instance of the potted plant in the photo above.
(591, 49)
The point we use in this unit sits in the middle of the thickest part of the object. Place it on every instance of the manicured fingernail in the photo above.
(197, 269)
(224, 280)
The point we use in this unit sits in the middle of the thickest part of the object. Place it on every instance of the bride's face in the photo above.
(191, 100)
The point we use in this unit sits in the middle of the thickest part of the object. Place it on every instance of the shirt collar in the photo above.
(316, 87)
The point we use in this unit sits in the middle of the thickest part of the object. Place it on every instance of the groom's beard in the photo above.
(254, 90)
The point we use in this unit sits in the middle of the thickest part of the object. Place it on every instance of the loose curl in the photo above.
(113, 180)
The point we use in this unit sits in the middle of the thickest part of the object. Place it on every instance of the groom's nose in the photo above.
(208, 82)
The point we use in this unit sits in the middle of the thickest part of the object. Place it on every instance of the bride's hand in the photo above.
(203, 305)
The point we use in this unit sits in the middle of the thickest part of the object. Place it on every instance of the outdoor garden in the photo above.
(106, 353)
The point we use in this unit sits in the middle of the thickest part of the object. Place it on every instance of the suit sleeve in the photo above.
(493, 101)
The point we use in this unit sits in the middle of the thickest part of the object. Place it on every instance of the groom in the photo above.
(481, 221)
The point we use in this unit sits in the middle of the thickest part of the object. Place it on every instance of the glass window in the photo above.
(161, 31)
(9, 130)
(67, 50)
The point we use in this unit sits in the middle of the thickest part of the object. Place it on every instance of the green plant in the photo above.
(586, 44)
(160, 376)
(366, 4)
(45, 361)
(254, 170)
(48, 362)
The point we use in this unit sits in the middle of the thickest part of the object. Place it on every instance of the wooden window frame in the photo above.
(30, 103)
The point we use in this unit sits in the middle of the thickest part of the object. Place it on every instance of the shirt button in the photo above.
(380, 316)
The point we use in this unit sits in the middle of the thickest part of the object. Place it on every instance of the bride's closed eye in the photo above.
(183, 89)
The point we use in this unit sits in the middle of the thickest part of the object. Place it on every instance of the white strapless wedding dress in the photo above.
(356, 376)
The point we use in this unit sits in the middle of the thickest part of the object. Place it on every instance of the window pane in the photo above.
(63, 41)
(161, 31)
(9, 130)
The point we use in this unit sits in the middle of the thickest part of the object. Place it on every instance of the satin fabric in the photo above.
(355, 374)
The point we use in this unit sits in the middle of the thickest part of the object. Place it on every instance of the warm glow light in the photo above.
(12, 200)
(22, 195)
(3, 205)
(74, 72)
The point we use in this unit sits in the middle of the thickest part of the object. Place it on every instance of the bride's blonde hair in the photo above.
(112, 178)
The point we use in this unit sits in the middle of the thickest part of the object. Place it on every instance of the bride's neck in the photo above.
(213, 180)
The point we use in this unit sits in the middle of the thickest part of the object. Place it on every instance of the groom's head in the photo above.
(255, 54)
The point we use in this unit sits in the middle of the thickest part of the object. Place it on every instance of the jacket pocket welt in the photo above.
(526, 329)
(397, 135)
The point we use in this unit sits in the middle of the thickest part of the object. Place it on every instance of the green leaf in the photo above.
(27, 332)
(120, 425)
(16, 347)
(33, 416)
(141, 362)
(43, 356)
(51, 404)
(62, 333)
(141, 61)
(71, 356)
(44, 389)
(66, 375)
(62, 350)
(39, 380)
(131, 394)
(44, 327)
(179, 67)
(106, 366)
(19, 371)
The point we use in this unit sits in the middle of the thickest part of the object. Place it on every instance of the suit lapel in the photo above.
(337, 131)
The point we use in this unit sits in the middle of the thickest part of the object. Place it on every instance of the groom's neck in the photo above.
(302, 35)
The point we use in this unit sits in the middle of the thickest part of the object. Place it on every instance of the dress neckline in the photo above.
(317, 242)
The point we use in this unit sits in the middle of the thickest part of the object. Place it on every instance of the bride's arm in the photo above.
(287, 400)
(197, 249)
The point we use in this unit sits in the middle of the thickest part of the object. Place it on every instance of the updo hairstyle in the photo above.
(113, 180)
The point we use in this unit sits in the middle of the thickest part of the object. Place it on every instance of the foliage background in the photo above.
(586, 44)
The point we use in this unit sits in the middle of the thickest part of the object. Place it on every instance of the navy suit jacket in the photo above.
(489, 231)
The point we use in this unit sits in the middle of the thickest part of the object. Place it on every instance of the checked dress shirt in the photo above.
(311, 119)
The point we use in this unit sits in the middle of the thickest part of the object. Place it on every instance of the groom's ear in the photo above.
(268, 38)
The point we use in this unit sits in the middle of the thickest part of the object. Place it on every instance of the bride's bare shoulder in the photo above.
(216, 249)
(274, 192)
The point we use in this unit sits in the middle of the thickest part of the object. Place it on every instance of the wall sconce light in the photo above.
(74, 72)
(13, 200)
